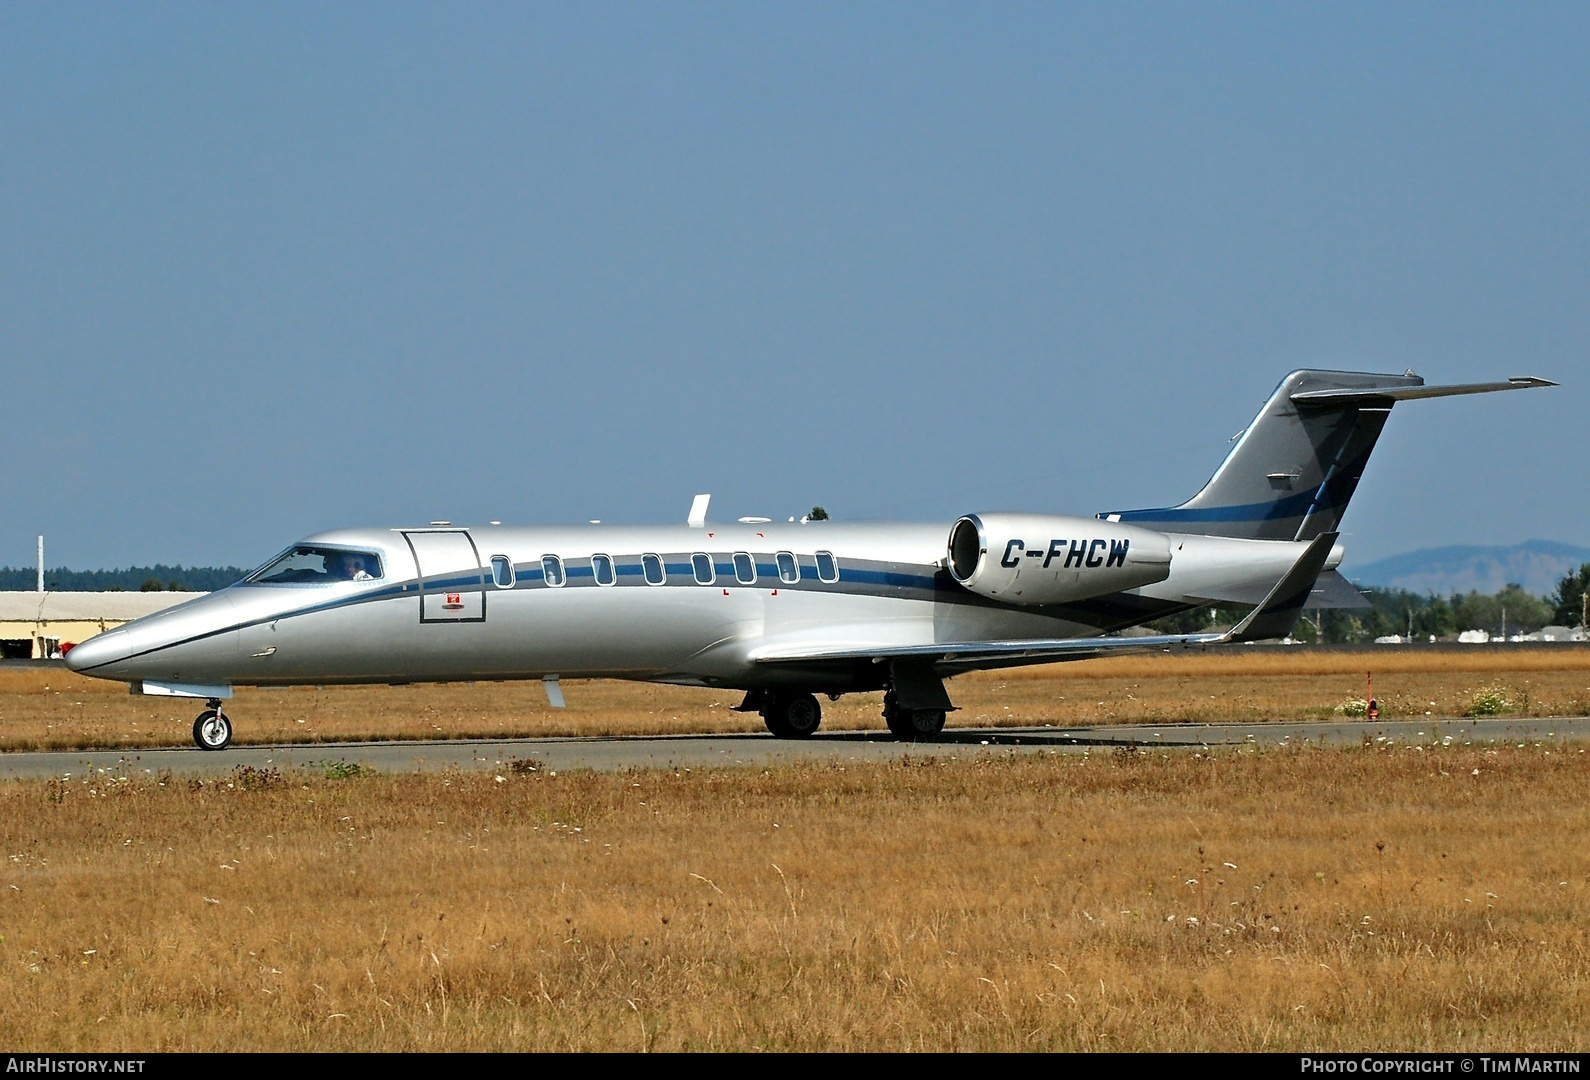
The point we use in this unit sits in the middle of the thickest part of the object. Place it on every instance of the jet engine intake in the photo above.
(1043, 559)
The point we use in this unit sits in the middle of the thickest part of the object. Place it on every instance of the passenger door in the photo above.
(452, 582)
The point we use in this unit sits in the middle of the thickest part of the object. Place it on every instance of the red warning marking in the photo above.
(454, 600)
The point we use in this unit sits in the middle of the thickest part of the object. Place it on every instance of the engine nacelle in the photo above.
(1039, 559)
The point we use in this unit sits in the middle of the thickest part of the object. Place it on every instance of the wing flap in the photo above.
(964, 652)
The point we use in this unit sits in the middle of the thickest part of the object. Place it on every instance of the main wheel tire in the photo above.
(914, 725)
(792, 716)
(212, 730)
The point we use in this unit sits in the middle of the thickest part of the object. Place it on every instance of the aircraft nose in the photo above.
(192, 642)
(97, 651)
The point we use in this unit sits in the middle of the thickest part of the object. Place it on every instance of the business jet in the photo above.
(789, 611)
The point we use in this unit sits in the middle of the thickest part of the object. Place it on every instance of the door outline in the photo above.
(479, 586)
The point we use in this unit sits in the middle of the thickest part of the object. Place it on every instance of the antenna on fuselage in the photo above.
(698, 512)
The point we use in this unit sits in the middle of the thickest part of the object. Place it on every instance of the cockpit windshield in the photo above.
(309, 564)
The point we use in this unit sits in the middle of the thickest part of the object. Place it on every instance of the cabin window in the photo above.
(502, 571)
(744, 568)
(602, 567)
(315, 565)
(552, 570)
(789, 571)
(827, 566)
(651, 566)
(701, 562)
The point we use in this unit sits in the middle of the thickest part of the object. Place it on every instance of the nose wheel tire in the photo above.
(792, 716)
(212, 730)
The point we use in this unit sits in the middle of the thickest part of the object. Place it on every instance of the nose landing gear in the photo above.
(212, 730)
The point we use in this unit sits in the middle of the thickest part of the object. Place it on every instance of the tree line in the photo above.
(156, 578)
(1512, 610)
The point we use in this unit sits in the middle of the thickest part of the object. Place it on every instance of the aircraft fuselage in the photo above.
(587, 601)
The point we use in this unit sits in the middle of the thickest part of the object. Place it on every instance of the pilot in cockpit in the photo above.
(346, 566)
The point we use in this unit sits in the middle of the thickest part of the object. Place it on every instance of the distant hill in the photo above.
(132, 579)
(1537, 565)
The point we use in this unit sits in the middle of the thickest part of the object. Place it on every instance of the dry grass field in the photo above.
(1383, 897)
(1410, 898)
(54, 709)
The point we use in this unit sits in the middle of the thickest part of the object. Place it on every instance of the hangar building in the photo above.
(33, 625)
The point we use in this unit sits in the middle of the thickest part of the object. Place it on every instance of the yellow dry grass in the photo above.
(54, 709)
(1420, 899)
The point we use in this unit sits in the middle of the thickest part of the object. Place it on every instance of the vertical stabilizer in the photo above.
(1295, 468)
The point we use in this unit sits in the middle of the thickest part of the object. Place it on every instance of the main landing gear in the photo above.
(915, 706)
(787, 714)
(791, 716)
(911, 725)
(212, 730)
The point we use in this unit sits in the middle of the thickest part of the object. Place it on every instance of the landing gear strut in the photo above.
(212, 730)
(911, 725)
(916, 705)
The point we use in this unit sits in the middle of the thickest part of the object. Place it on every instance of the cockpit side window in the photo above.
(312, 564)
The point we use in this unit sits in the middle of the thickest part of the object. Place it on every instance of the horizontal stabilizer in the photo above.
(1334, 592)
(1341, 398)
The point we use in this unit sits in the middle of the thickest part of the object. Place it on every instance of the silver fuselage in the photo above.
(441, 611)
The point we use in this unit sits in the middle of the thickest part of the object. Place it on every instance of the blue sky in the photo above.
(270, 269)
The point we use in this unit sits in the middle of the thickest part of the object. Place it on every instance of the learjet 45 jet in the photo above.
(788, 612)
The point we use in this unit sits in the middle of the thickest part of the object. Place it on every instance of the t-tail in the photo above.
(1295, 468)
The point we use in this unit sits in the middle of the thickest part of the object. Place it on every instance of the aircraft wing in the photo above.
(1274, 617)
(968, 655)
